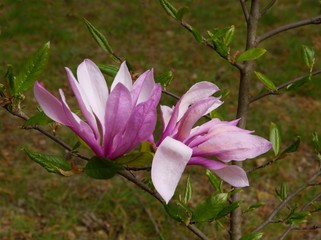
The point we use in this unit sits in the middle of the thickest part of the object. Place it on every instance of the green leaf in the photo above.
(252, 236)
(266, 81)
(181, 12)
(293, 147)
(169, 8)
(52, 163)
(32, 69)
(209, 209)
(251, 54)
(196, 34)
(297, 218)
(188, 191)
(308, 56)
(216, 114)
(255, 206)
(227, 210)
(214, 180)
(99, 37)
(316, 142)
(282, 192)
(275, 138)
(229, 34)
(297, 84)
(136, 159)
(165, 78)
(100, 168)
(39, 118)
(176, 212)
(108, 69)
(11, 78)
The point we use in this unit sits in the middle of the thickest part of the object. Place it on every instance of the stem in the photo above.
(315, 20)
(267, 8)
(243, 105)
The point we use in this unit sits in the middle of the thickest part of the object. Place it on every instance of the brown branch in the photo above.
(171, 94)
(282, 86)
(264, 165)
(315, 20)
(286, 201)
(244, 9)
(268, 7)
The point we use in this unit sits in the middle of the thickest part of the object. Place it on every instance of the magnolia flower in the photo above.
(181, 144)
(116, 121)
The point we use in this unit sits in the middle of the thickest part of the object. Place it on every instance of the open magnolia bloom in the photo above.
(116, 121)
(181, 144)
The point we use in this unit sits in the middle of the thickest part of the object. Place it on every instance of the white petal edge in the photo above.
(123, 77)
(168, 166)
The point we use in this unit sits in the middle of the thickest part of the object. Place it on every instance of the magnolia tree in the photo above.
(117, 123)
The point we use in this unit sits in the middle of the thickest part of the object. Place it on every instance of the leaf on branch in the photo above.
(214, 180)
(139, 159)
(188, 191)
(316, 142)
(108, 69)
(169, 8)
(39, 118)
(101, 168)
(165, 78)
(99, 37)
(52, 163)
(266, 81)
(181, 12)
(198, 37)
(293, 147)
(32, 69)
(282, 192)
(308, 56)
(177, 212)
(10, 78)
(251, 54)
(229, 34)
(275, 138)
(252, 236)
(297, 218)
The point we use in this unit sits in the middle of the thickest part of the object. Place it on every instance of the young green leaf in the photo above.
(251, 54)
(108, 69)
(308, 56)
(188, 191)
(139, 159)
(316, 142)
(282, 192)
(196, 34)
(255, 206)
(275, 138)
(169, 8)
(10, 77)
(297, 218)
(181, 12)
(52, 163)
(100, 168)
(252, 236)
(32, 69)
(177, 212)
(266, 81)
(214, 180)
(227, 210)
(165, 78)
(39, 118)
(99, 37)
(293, 147)
(229, 34)
(209, 209)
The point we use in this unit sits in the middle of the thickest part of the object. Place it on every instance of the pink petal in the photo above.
(143, 87)
(192, 115)
(118, 110)
(166, 115)
(50, 104)
(123, 76)
(197, 92)
(94, 87)
(228, 146)
(231, 174)
(168, 166)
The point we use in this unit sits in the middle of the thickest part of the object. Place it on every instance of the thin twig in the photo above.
(264, 165)
(282, 86)
(286, 201)
(244, 9)
(268, 7)
(315, 20)
(171, 94)
(290, 228)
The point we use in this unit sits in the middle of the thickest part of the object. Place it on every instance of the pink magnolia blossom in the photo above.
(181, 144)
(116, 121)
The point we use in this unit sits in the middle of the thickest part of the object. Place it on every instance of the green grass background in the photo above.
(38, 205)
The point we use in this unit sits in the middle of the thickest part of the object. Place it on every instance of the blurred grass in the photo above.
(37, 205)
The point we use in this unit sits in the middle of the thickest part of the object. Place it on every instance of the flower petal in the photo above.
(228, 146)
(94, 87)
(143, 87)
(231, 174)
(168, 166)
(166, 115)
(197, 92)
(50, 104)
(123, 76)
(118, 110)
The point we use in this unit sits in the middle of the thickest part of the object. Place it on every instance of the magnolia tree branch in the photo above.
(244, 9)
(315, 20)
(282, 86)
(290, 228)
(130, 177)
(286, 201)
(268, 7)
